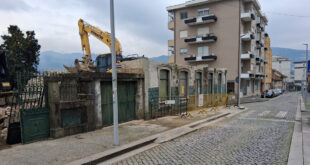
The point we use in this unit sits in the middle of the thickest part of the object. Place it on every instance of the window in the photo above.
(219, 83)
(183, 52)
(256, 84)
(164, 85)
(183, 34)
(210, 83)
(170, 51)
(198, 83)
(170, 16)
(202, 31)
(183, 83)
(183, 15)
(203, 12)
(203, 51)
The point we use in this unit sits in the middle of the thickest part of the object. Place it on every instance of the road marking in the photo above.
(281, 114)
(263, 119)
(265, 113)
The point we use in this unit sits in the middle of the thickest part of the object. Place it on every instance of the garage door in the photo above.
(126, 102)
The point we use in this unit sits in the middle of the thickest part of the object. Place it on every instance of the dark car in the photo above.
(268, 94)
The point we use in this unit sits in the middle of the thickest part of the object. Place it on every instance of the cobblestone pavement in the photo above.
(262, 135)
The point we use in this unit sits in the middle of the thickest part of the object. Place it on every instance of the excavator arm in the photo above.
(105, 37)
(85, 30)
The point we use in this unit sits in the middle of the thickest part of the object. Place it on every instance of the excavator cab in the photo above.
(104, 62)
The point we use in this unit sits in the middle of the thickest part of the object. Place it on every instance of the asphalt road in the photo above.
(261, 135)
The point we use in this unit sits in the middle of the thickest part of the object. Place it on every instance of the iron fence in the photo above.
(164, 106)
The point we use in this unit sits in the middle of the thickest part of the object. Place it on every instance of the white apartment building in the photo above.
(283, 65)
(300, 73)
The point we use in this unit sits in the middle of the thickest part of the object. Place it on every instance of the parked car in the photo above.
(268, 94)
(277, 92)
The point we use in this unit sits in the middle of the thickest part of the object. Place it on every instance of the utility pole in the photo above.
(306, 92)
(240, 52)
(114, 76)
(264, 75)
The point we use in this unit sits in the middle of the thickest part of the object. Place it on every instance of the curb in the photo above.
(125, 151)
(296, 149)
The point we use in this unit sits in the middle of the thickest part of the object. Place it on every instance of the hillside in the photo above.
(50, 60)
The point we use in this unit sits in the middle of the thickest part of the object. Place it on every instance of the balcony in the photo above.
(201, 20)
(266, 35)
(247, 56)
(171, 25)
(266, 49)
(259, 44)
(260, 28)
(259, 60)
(201, 39)
(211, 57)
(247, 75)
(259, 75)
(171, 43)
(248, 37)
(247, 16)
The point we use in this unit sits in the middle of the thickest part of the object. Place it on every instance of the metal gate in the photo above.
(31, 109)
(168, 107)
(126, 102)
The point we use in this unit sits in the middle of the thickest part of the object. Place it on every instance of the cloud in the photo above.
(141, 25)
(14, 5)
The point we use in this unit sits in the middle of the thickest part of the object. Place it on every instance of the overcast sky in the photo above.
(141, 25)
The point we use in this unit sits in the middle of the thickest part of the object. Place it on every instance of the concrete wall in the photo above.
(283, 66)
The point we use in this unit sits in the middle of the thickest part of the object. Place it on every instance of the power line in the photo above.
(286, 14)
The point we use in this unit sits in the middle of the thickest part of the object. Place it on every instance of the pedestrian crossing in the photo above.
(279, 115)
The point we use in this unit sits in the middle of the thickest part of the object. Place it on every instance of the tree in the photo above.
(23, 51)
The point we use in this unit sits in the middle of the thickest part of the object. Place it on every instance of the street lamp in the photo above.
(306, 73)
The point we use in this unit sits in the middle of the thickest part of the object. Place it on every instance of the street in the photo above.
(261, 135)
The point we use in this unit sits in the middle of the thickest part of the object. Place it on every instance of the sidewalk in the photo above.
(300, 146)
(68, 149)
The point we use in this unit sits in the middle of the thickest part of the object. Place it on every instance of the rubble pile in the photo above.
(4, 122)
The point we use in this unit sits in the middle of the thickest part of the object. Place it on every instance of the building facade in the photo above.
(283, 65)
(213, 32)
(278, 80)
(268, 64)
(300, 73)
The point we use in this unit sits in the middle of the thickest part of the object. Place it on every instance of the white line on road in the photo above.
(281, 114)
(265, 113)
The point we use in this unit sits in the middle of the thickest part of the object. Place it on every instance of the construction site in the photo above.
(55, 104)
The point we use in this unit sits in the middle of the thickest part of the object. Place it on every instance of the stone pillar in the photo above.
(97, 105)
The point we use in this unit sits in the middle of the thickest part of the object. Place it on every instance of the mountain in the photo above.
(51, 60)
(293, 54)
(163, 59)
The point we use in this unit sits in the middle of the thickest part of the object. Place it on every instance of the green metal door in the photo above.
(126, 102)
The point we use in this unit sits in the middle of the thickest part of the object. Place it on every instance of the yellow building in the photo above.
(268, 60)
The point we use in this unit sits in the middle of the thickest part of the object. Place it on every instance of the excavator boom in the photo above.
(85, 30)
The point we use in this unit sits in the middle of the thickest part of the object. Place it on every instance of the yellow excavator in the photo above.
(104, 60)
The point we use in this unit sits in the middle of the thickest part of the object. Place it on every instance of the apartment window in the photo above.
(210, 83)
(202, 31)
(203, 12)
(170, 50)
(183, 15)
(170, 16)
(183, 34)
(183, 51)
(203, 51)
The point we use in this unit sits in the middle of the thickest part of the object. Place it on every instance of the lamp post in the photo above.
(306, 73)
(114, 76)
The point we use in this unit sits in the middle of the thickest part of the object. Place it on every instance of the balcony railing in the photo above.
(247, 56)
(248, 37)
(247, 16)
(259, 44)
(201, 20)
(211, 57)
(201, 39)
(247, 75)
(171, 25)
